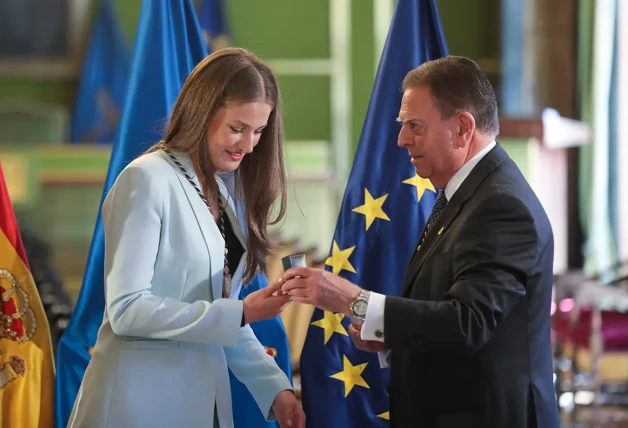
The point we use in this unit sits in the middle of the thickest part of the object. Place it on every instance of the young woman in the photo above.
(175, 259)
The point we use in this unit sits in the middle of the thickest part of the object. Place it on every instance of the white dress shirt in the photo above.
(374, 320)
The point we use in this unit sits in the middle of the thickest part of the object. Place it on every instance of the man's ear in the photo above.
(466, 128)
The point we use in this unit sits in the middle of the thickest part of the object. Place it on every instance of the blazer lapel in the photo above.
(431, 240)
(492, 160)
(230, 209)
(208, 227)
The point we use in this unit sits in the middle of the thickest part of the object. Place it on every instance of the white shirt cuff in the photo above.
(384, 358)
(374, 320)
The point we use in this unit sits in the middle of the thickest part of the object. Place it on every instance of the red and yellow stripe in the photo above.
(26, 359)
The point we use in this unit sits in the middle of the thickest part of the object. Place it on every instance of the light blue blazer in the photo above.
(168, 338)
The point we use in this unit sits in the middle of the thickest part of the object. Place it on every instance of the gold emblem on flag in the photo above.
(10, 370)
(17, 320)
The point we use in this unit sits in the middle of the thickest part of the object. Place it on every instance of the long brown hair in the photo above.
(235, 75)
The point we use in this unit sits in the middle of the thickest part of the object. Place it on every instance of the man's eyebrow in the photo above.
(410, 119)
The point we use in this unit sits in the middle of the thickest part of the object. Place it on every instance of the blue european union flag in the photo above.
(271, 333)
(383, 212)
(103, 81)
(168, 44)
(213, 24)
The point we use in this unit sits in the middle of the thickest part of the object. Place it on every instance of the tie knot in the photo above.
(437, 209)
(441, 201)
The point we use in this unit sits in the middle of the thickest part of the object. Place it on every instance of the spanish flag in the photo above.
(26, 361)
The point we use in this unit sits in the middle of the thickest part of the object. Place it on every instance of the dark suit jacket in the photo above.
(470, 337)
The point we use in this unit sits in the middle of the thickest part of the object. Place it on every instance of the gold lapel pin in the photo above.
(441, 230)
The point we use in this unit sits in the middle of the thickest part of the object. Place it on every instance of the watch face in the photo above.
(360, 308)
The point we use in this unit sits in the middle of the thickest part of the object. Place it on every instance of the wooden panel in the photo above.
(553, 36)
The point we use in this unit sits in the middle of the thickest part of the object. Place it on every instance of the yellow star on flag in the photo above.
(339, 259)
(372, 208)
(385, 415)
(421, 184)
(331, 323)
(351, 375)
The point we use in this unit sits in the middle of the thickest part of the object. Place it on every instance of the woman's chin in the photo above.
(228, 166)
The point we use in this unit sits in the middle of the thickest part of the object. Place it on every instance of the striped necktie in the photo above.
(437, 209)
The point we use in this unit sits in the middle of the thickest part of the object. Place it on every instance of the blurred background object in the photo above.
(54, 295)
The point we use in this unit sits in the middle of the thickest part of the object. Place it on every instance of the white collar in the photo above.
(456, 181)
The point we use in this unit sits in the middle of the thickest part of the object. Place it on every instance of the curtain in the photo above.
(597, 86)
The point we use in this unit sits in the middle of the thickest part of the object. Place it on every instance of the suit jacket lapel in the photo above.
(431, 240)
(492, 160)
(209, 229)
(230, 209)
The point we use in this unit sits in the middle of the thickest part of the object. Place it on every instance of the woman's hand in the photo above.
(262, 305)
(288, 411)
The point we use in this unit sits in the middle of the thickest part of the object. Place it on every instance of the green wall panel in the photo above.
(281, 28)
(362, 66)
(55, 91)
(128, 15)
(47, 92)
(471, 27)
(309, 217)
(83, 160)
(306, 104)
(310, 157)
(519, 150)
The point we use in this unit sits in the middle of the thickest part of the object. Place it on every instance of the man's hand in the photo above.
(364, 345)
(288, 411)
(320, 288)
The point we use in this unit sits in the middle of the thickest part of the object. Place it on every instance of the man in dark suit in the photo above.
(468, 342)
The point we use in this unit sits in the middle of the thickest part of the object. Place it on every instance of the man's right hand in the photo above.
(364, 345)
